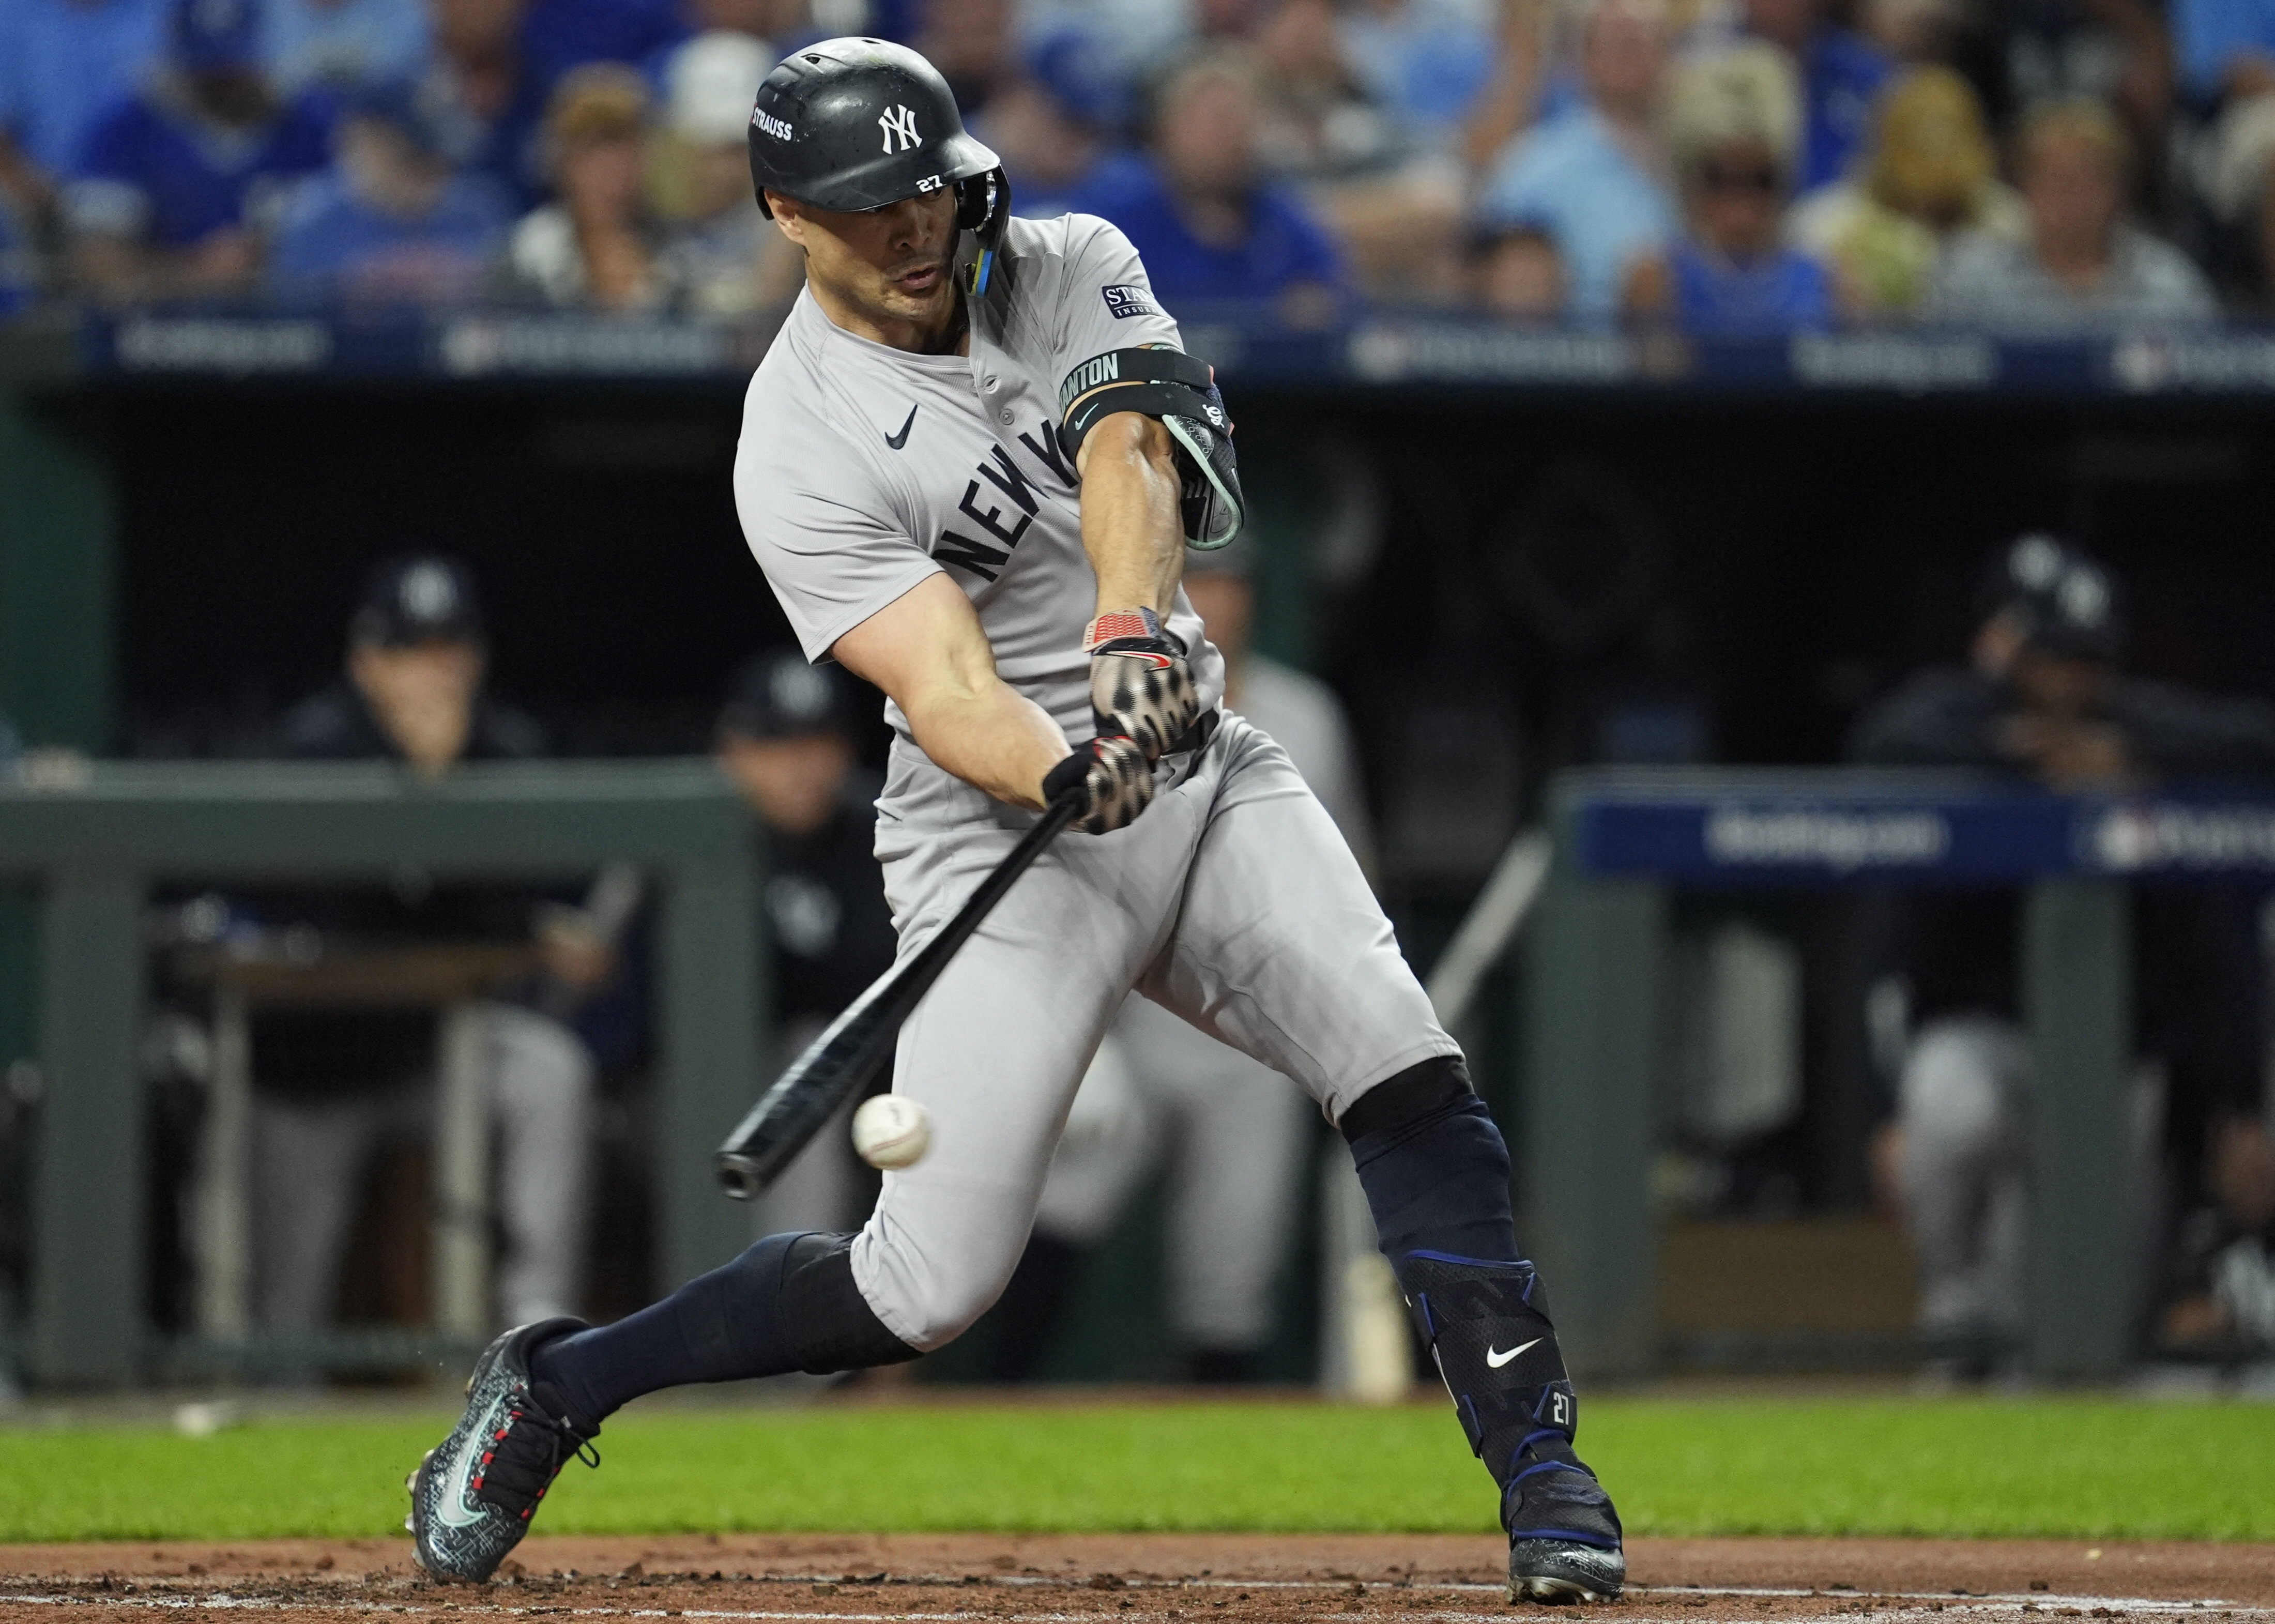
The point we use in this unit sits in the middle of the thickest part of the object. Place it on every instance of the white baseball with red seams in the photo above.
(891, 1130)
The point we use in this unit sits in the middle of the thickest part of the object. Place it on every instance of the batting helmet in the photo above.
(856, 123)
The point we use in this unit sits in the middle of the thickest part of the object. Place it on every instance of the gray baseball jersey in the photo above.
(863, 468)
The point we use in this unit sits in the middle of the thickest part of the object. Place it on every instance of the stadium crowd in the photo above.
(1728, 166)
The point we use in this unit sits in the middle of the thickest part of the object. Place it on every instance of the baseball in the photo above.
(891, 1130)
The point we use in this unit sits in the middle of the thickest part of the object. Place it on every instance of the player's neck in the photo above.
(947, 334)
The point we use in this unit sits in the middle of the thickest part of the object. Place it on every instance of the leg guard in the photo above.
(1488, 1329)
(1436, 1175)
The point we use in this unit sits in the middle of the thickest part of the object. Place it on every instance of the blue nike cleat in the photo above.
(471, 1496)
(1564, 1538)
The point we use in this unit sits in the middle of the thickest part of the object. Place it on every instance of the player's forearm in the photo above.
(1130, 527)
(990, 736)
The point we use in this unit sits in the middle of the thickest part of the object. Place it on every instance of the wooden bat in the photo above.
(837, 1064)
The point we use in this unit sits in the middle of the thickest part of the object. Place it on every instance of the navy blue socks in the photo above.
(788, 1304)
(1434, 1164)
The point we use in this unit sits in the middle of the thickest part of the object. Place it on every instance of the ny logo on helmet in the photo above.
(900, 122)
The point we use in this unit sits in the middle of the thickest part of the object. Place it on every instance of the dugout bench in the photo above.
(93, 838)
(1587, 988)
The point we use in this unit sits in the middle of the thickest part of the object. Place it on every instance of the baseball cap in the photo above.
(781, 696)
(210, 35)
(2020, 571)
(418, 598)
(2079, 616)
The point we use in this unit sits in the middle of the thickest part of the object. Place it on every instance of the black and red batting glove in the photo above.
(1139, 684)
(1110, 777)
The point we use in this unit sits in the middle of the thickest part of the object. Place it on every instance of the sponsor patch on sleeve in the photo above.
(1128, 302)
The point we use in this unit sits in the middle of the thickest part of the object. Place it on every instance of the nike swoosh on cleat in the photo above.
(1494, 1359)
(897, 441)
(450, 1508)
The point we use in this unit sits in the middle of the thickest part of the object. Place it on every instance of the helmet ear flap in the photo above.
(981, 203)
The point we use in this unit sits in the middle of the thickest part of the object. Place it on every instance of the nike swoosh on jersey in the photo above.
(1496, 1359)
(897, 441)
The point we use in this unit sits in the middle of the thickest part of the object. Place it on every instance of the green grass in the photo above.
(2091, 1468)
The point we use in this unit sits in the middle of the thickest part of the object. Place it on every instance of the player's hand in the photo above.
(1139, 684)
(1110, 775)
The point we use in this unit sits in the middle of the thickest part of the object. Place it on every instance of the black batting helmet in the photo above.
(856, 123)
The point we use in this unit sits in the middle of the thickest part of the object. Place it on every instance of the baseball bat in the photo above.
(837, 1064)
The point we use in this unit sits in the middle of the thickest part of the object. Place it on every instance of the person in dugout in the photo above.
(785, 738)
(329, 1085)
(2045, 699)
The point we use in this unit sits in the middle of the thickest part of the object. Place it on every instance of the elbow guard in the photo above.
(1181, 394)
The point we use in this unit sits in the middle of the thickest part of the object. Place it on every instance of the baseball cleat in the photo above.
(473, 1496)
(1564, 1538)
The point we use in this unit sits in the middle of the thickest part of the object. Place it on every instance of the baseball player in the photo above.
(969, 465)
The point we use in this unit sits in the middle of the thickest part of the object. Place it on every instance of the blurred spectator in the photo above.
(1389, 188)
(596, 245)
(1050, 127)
(1232, 1131)
(171, 193)
(785, 738)
(973, 45)
(332, 1083)
(1516, 272)
(343, 42)
(719, 251)
(1423, 62)
(390, 221)
(492, 98)
(1317, 121)
(2083, 263)
(2228, 69)
(2044, 701)
(1840, 74)
(1912, 31)
(557, 35)
(1734, 128)
(64, 65)
(2020, 54)
(2225, 1304)
(1591, 174)
(1512, 98)
(2226, 48)
(2238, 181)
(1206, 223)
(1926, 180)
(781, 23)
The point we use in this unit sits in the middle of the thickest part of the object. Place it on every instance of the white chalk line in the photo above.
(2036, 1602)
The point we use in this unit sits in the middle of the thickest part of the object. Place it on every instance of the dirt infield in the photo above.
(1134, 1579)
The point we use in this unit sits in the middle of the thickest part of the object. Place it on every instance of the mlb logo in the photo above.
(1128, 302)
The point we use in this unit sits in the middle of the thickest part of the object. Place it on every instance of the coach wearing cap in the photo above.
(2043, 700)
(785, 738)
(331, 1083)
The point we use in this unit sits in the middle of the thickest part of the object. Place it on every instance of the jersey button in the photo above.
(1004, 417)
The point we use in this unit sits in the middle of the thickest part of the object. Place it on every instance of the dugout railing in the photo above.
(94, 839)
(1589, 989)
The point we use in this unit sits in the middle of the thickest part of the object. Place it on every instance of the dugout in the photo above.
(1512, 552)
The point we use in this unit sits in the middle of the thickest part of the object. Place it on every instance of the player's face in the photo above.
(790, 783)
(889, 266)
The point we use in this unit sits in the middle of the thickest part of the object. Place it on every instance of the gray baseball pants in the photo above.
(1232, 902)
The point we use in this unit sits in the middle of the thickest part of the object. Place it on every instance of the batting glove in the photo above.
(1110, 777)
(1139, 684)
